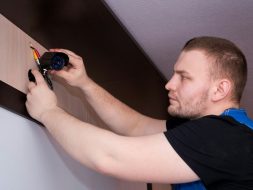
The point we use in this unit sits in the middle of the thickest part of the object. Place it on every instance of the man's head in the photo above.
(209, 72)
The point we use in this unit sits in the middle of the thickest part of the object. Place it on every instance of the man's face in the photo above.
(189, 94)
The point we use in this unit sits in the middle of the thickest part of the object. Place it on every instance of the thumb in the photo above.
(61, 73)
(38, 77)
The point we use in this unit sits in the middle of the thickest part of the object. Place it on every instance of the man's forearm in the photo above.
(119, 117)
(84, 142)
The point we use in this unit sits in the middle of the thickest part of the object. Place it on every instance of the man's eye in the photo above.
(183, 78)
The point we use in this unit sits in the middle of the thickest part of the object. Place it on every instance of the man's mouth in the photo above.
(171, 101)
(172, 98)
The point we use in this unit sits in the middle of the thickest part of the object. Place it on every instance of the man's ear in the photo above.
(222, 89)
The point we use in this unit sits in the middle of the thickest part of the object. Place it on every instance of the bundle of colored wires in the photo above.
(36, 54)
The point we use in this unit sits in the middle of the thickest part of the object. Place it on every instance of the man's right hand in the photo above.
(75, 73)
(119, 117)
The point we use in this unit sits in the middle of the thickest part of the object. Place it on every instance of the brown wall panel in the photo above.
(111, 56)
(17, 59)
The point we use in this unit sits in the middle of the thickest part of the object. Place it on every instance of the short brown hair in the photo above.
(229, 61)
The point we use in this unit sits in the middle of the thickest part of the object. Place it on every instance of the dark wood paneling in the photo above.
(111, 57)
(88, 28)
(14, 101)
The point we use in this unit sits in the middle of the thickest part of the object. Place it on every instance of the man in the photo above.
(213, 143)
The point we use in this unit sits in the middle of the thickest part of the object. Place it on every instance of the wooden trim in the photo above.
(149, 186)
(14, 101)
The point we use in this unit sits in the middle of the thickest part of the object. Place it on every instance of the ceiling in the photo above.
(161, 27)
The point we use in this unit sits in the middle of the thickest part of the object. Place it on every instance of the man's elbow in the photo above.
(106, 165)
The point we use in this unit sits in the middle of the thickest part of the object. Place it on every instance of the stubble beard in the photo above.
(189, 109)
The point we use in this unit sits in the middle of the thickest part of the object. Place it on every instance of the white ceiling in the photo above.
(161, 27)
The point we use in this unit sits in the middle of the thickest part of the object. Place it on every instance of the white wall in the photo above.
(30, 159)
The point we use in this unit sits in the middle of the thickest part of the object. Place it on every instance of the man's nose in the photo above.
(171, 85)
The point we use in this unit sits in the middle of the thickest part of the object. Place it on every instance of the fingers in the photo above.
(75, 60)
(38, 80)
(38, 77)
(62, 73)
(30, 86)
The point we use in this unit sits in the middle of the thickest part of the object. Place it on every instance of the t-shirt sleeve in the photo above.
(210, 146)
(174, 122)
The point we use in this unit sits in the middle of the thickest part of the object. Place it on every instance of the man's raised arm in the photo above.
(119, 117)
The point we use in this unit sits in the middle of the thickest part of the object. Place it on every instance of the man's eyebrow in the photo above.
(181, 72)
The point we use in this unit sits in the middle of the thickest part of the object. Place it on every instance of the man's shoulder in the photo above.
(205, 120)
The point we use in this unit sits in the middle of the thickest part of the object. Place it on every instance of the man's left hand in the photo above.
(40, 98)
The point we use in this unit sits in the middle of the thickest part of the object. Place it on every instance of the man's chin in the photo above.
(176, 113)
(173, 112)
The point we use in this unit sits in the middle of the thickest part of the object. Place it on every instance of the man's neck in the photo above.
(218, 110)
